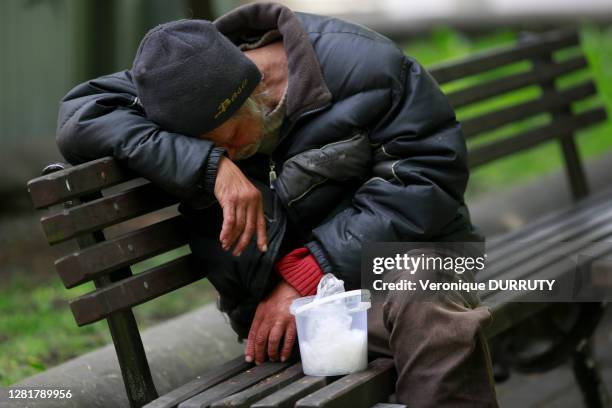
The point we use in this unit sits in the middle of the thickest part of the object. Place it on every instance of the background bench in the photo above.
(103, 209)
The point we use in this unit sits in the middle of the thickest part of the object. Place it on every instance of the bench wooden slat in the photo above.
(287, 396)
(502, 117)
(509, 314)
(136, 289)
(362, 389)
(76, 181)
(510, 308)
(103, 212)
(245, 398)
(532, 245)
(485, 61)
(203, 382)
(558, 268)
(584, 208)
(561, 269)
(522, 266)
(86, 264)
(575, 226)
(529, 266)
(489, 89)
(235, 384)
(488, 152)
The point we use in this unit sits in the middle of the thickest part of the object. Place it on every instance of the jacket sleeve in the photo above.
(102, 117)
(419, 177)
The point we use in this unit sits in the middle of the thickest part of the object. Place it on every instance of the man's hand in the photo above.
(242, 209)
(272, 323)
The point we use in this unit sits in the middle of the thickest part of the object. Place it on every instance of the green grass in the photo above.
(445, 45)
(37, 329)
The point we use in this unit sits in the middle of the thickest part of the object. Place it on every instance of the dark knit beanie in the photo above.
(190, 78)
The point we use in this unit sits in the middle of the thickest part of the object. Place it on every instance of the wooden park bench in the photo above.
(85, 200)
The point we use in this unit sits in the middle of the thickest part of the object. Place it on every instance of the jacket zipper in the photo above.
(272, 173)
(292, 125)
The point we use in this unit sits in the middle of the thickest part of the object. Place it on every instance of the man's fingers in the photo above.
(290, 337)
(237, 196)
(262, 235)
(229, 219)
(261, 342)
(249, 353)
(241, 215)
(247, 233)
(274, 340)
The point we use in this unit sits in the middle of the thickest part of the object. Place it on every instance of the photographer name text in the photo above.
(493, 284)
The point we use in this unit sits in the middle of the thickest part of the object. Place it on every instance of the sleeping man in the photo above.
(292, 139)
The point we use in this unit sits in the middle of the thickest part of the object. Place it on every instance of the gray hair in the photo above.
(255, 105)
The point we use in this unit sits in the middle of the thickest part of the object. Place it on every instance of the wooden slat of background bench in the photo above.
(491, 120)
(203, 382)
(485, 61)
(362, 389)
(570, 226)
(86, 264)
(510, 308)
(560, 269)
(289, 395)
(559, 128)
(496, 87)
(103, 212)
(524, 264)
(586, 221)
(588, 206)
(508, 314)
(530, 245)
(524, 304)
(136, 289)
(60, 186)
(262, 389)
(234, 384)
(532, 249)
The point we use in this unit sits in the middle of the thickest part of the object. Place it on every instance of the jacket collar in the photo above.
(306, 89)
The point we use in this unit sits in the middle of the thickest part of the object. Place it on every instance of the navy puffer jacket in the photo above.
(370, 149)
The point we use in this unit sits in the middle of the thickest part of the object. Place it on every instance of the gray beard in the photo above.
(247, 151)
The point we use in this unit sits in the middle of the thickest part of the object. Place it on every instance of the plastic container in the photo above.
(333, 332)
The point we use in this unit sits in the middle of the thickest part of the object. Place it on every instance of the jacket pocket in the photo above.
(341, 161)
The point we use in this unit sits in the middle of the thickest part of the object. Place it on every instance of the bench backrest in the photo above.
(84, 201)
(542, 61)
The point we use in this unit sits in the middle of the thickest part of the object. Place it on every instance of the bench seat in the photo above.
(541, 250)
(529, 251)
